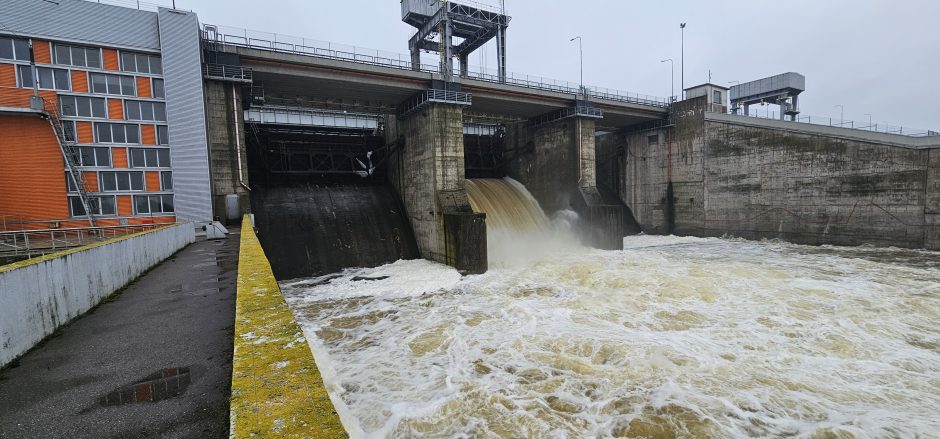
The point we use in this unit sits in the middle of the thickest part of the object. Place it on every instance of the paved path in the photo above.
(154, 361)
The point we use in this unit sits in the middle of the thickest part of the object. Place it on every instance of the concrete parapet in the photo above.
(277, 390)
(41, 294)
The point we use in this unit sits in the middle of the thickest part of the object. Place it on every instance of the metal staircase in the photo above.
(70, 154)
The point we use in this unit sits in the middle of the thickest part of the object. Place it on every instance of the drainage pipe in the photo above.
(238, 142)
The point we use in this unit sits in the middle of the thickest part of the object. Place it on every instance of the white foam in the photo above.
(697, 336)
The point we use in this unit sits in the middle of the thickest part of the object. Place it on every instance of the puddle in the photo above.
(164, 384)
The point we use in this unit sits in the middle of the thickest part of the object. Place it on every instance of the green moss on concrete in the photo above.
(277, 390)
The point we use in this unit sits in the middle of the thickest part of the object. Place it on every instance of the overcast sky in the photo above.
(877, 57)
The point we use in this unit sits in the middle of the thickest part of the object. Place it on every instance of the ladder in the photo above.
(70, 154)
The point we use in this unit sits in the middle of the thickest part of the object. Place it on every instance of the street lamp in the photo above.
(581, 56)
(672, 80)
(841, 113)
(682, 27)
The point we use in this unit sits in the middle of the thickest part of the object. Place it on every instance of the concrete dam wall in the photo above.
(310, 229)
(715, 174)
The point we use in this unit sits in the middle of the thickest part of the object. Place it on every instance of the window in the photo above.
(68, 128)
(97, 205)
(77, 56)
(82, 106)
(150, 158)
(49, 78)
(14, 49)
(158, 91)
(717, 97)
(163, 135)
(113, 84)
(144, 110)
(94, 156)
(153, 204)
(166, 181)
(140, 63)
(117, 133)
(112, 181)
(653, 140)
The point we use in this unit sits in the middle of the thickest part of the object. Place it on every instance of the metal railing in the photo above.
(272, 114)
(882, 127)
(324, 49)
(227, 72)
(33, 242)
(434, 95)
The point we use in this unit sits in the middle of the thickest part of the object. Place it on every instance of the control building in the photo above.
(101, 112)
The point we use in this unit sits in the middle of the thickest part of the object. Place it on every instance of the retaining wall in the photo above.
(41, 294)
(713, 174)
(277, 390)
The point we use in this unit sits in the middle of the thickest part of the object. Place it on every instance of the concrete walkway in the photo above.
(153, 361)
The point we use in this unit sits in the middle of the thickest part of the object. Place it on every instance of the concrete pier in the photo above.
(429, 175)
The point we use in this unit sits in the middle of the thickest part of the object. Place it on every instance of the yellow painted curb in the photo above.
(43, 258)
(277, 390)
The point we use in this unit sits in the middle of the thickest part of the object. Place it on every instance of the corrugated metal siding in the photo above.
(32, 180)
(84, 130)
(148, 135)
(143, 87)
(153, 181)
(115, 109)
(91, 181)
(7, 75)
(124, 206)
(186, 116)
(42, 52)
(79, 81)
(81, 21)
(110, 59)
(119, 157)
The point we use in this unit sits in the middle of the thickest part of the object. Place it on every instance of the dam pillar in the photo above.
(227, 149)
(559, 170)
(430, 179)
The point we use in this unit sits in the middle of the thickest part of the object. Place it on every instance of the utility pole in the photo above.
(682, 28)
(581, 55)
(672, 80)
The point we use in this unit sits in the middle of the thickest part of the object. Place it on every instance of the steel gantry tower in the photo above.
(473, 24)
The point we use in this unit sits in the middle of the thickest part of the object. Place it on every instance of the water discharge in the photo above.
(671, 337)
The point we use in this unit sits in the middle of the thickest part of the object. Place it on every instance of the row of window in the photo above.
(78, 56)
(101, 83)
(85, 106)
(123, 181)
(123, 133)
(97, 156)
(107, 205)
(14, 49)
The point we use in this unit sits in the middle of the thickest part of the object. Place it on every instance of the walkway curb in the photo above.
(277, 390)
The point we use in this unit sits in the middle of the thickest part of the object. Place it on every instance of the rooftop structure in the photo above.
(782, 90)
(474, 24)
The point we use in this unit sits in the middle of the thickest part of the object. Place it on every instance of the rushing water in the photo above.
(671, 337)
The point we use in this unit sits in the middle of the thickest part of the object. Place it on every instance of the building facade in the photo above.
(124, 87)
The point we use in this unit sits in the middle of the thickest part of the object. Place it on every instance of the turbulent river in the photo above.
(671, 337)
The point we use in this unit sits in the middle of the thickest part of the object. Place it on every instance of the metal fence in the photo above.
(882, 127)
(33, 242)
(325, 49)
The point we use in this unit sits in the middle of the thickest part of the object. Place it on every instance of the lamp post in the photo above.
(581, 57)
(672, 80)
(682, 28)
(841, 113)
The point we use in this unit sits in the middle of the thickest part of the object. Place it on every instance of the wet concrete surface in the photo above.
(155, 360)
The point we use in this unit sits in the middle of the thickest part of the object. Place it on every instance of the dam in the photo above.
(267, 235)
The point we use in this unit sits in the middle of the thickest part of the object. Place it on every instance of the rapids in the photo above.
(671, 337)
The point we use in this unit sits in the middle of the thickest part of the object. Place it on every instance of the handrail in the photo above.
(40, 241)
(323, 49)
